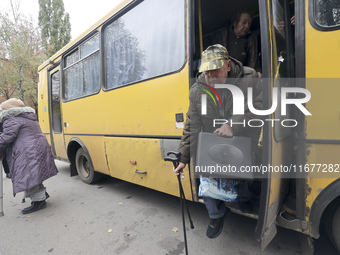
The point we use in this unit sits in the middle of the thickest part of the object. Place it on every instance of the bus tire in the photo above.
(336, 229)
(85, 168)
(332, 225)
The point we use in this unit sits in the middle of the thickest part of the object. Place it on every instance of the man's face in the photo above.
(218, 76)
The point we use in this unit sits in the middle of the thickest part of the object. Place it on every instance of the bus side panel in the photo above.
(146, 108)
(43, 107)
(324, 123)
(322, 128)
(96, 148)
(324, 168)
(139, 160)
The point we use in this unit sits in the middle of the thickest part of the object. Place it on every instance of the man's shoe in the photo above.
(46, 195)
(215, 227)
(35, 206)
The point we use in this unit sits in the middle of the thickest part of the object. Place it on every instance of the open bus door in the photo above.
(277, 37)
(56, 128)
(277, 55)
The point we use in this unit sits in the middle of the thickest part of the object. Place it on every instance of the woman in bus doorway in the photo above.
(241, 43)
(27, 152)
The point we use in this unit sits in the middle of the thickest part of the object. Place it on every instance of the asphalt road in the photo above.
(116, 217)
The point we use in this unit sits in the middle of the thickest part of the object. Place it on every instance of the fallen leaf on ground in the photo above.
(175, 229)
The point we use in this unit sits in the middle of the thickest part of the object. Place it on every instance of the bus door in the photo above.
(277, 37)
(56, 128)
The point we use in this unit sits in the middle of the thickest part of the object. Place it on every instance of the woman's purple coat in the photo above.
(28, 153)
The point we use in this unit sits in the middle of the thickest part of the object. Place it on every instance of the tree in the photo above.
(55, 25)
(7, 88)
(21, 53)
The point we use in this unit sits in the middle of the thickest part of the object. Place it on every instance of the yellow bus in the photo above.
(113, 101)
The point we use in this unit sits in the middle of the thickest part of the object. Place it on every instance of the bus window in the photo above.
(81, 70)
(56, 114)
(327, 13)
(146, 42)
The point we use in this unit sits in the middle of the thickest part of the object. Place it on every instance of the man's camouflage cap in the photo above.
(213, 57)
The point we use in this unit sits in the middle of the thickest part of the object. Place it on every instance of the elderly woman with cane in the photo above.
(28, 154)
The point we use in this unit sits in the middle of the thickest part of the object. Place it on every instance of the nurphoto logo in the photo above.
(238, 104)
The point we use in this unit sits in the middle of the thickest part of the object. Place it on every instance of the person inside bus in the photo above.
(242, 44)
(218, 68)
(28, 154)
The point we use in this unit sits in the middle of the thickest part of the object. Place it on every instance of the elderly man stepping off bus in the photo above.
(219, 68)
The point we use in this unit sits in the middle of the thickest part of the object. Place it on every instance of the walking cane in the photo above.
(175, 162)
(1, 191)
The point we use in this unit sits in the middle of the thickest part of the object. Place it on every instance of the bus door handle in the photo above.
(137, 172)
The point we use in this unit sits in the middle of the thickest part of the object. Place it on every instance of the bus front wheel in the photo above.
(85, 168)
(336, 228)
(333, 226)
